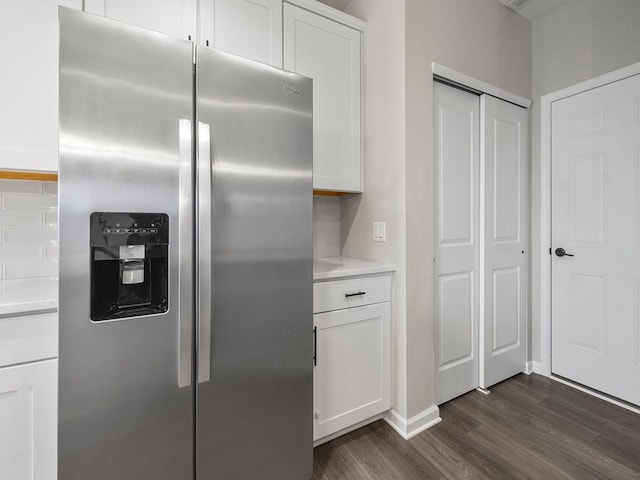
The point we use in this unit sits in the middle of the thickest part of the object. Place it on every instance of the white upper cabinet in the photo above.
(29, 84)
(249, 28)
(329, 52)
(173, 17)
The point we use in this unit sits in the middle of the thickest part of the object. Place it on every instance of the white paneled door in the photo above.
(457, 150)
(504, 233)
(596, 239)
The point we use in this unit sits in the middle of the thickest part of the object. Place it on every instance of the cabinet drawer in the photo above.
(352, 292)
(28, 338)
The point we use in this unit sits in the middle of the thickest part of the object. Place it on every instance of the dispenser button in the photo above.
(131, 252)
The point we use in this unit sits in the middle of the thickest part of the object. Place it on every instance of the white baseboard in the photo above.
(408, 428)
(528, 367)
(537, 368)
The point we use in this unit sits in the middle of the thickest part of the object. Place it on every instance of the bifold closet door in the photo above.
(457, 152)
(504, 240)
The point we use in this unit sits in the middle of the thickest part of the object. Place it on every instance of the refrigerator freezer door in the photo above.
(123, 94)
(255, 413)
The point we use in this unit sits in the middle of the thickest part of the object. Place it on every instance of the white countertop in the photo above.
(28, 295)
(340, 267)
(37, 294)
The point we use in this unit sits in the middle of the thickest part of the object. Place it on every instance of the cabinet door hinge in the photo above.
(316, 415)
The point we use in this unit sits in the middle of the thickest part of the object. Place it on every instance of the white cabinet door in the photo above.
(329, 52)
(173, 17)
(249, 28)
(29, 419)
(29, 84)
(352, 372)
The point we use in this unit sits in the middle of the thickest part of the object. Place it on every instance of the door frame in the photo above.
(544, 366)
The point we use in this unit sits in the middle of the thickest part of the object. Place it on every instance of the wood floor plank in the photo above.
(523, 462)
(569, 453)
(403, 452)
(475, 453)
(622, 449)
(530, 427)
(517, 397)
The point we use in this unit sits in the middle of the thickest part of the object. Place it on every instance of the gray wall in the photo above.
(576, 42)
(484, 39)
(481, 38)
(384, 167)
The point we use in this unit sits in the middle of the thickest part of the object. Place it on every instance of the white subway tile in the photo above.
(50, 188)
(14, 253)
(17, 201)
(51, 251)
(31, 269)
(21, 186)
(21, 219)
(326, 227)
(28, 229)
(51, 218)
(30, 235)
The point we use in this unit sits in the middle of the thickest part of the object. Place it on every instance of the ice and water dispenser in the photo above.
(129, 265)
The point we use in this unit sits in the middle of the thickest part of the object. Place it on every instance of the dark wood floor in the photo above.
(529, 427)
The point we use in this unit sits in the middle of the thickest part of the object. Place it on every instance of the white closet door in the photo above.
(596, 218)
(456, 267)
(504, 233)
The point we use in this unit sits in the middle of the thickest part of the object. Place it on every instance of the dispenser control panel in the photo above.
(115, 229)
(129, 265)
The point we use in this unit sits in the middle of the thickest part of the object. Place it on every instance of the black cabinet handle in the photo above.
(315, 346)
(562, 253)
(357, 294)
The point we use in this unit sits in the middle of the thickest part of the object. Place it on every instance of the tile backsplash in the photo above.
(28, 229)
(326, 227)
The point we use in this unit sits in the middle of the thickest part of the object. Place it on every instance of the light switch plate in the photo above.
(379, 231)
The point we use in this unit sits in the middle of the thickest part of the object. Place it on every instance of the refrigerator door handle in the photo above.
(185, 256)
(203, 288)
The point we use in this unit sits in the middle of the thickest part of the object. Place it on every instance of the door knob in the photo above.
(562, 253)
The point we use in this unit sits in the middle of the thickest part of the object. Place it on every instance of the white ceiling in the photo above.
(339, 4)
(534, 9)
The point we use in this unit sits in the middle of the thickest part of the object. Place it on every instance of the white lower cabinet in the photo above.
(29, 419)
(352, 361)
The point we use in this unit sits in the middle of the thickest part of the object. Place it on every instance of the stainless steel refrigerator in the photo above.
(185, 260)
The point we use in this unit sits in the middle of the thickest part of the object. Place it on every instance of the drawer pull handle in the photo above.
(357, 294)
